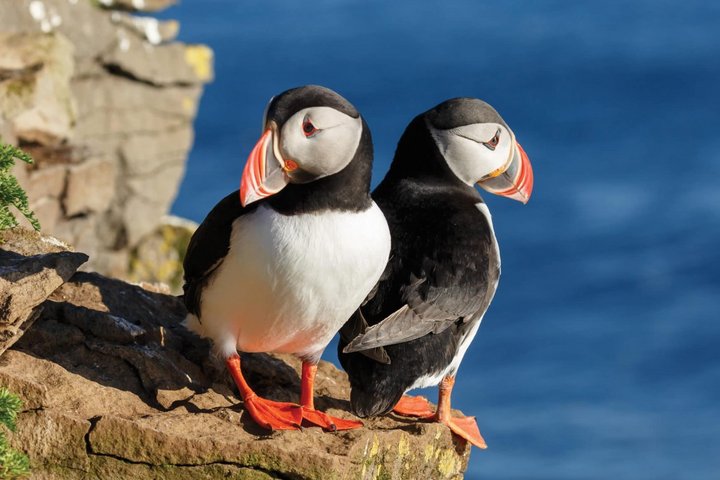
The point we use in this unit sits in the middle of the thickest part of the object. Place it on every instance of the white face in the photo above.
(477, 151)
(321, 140)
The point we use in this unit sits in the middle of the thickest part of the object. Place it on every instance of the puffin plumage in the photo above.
(414, 328)
(267, 270)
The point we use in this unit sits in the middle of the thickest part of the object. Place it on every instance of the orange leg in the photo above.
(463, 427)
(266, 413)
(414, 407)
(307, 403)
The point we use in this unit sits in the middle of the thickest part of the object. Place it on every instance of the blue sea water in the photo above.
(599, 357)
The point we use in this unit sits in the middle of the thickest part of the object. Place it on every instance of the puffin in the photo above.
(414, 328)
(281, 264)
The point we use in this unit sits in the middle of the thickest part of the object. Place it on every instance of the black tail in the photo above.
(376, 387)
(369, 403)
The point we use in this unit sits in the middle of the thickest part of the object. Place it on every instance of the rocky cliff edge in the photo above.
(114, 387)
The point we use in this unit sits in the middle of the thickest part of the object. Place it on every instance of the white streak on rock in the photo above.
(150, 28)
(37, 10)
(53, 241)
(123, 41)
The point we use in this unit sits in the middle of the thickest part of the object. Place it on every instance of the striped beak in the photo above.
(264, 174)
(516, 181)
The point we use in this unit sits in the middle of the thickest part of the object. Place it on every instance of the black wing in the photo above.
(208, 247)
(443, 271)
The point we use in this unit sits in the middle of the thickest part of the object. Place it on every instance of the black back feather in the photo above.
(443, 265)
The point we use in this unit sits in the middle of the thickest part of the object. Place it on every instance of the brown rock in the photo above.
(46, 182)
(26, 282)
(118, 107)
(152, 194)
(48, 212)
(116, 387)
(168, 148)
(7, 134)
(36, 97)
(90, 187)
(80, 232)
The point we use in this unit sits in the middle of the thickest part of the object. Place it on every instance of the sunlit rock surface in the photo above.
(104, 101)
(115, 388)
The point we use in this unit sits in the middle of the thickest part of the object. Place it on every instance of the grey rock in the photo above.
(147, 28)
(104, 102)
(139, 5)
(158, 64)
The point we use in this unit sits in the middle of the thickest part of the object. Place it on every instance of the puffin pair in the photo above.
(282, 264)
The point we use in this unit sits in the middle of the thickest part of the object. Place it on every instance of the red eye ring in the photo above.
(308, 128)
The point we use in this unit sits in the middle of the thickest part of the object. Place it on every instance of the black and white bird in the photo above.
(416, 325)
(280, 265)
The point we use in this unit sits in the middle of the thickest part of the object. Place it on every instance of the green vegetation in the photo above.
(13, 464)
(10, 191)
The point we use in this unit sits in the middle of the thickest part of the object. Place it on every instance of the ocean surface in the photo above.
(600, 356)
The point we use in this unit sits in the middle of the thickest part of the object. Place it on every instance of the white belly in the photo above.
(289, 283)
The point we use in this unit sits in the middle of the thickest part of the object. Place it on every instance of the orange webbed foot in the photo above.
(273, 415)
(414, 407)
(328, 422)
(466, 428)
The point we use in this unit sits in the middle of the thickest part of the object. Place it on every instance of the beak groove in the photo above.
(263, 175)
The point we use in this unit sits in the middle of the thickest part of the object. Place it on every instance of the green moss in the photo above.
(10, 191)
(13, 464)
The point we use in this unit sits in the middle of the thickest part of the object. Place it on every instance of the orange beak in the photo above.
(264, 173)
(516, 181)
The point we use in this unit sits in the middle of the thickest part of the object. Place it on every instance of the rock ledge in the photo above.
(114, 388)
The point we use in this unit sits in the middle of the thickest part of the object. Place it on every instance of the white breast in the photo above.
(289, 282)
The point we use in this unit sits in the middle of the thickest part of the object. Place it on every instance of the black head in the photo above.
(460, 112)
(465, 140)
(282, 107)
(316, 149)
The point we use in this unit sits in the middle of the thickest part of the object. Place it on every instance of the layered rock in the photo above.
(115, 387)
(104, 101)
(27, 278)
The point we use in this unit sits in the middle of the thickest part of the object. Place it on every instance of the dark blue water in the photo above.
(600, 356)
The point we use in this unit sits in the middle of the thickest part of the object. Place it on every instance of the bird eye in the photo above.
(308, 128)
(493, 142)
